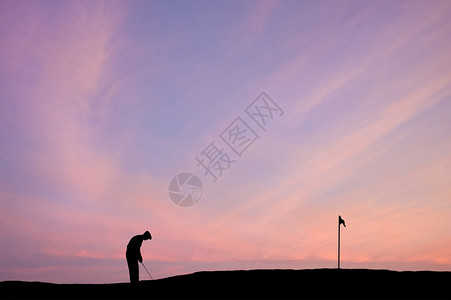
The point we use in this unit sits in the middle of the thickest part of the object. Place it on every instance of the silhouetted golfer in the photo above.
(133, 255)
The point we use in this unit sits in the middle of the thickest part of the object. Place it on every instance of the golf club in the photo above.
(146, 270)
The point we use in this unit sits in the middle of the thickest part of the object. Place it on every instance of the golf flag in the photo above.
(340, 221)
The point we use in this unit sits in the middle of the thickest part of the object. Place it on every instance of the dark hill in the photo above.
(261, 284)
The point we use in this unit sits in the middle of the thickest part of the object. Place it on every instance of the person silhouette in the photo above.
(133, 255)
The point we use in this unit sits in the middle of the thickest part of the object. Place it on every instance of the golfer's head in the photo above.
(147, 235)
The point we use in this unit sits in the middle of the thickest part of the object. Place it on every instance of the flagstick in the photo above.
(339, 243)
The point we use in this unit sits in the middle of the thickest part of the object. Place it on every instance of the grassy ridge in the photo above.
(257, 284)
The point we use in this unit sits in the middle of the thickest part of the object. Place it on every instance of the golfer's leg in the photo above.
(133, 269)
(134, 272)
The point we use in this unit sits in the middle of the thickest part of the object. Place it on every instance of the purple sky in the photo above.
(103, 103)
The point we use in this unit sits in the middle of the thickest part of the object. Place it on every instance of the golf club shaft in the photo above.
(146, 270)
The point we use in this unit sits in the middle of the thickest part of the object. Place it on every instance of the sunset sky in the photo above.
(103, 103)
